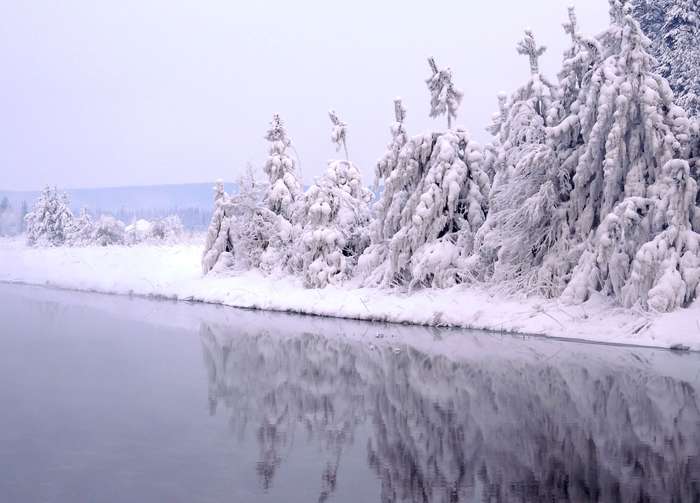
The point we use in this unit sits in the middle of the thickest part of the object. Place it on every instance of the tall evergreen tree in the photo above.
(335, 217)
(634, 139)
(284, 188)
(527, 188)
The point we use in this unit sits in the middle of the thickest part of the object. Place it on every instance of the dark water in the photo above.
(109, 399)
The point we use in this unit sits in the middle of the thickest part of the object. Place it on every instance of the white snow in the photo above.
(173, 271)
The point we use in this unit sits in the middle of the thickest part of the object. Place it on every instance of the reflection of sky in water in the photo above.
(99, 406)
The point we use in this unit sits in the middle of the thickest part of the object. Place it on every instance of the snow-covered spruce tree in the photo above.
(284, 188)
(335, 218)
(629, 165)
(49, 221)
(218, 242)
(283, 197)
(81, 230)
(388, 182)
(445, 98)
(435, 200)
(253, 225)
(528, 186)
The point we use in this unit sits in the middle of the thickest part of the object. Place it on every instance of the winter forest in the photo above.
(589, 184)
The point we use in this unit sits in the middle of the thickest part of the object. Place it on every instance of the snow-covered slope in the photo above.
(174, 272)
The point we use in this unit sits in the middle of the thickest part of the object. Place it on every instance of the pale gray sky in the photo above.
(131, 92)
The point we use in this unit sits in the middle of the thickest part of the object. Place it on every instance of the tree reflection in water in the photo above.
(486, 419)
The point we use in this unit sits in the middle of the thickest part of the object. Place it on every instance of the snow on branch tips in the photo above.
(528, 47)
(339, 133)
(387, 163)
(445, 98)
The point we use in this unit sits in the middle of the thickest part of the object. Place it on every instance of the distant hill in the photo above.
(193, 202)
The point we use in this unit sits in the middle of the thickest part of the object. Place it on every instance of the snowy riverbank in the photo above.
(174, 272)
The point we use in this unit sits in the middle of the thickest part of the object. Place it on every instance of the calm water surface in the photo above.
(111, 399)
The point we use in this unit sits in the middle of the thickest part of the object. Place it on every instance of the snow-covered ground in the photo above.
(173, 271)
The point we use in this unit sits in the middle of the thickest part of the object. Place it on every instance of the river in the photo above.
(114, 399)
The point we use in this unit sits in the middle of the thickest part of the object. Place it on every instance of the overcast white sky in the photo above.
(133, 92)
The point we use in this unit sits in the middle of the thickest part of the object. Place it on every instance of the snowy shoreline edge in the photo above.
(378, 321)
(172, 272)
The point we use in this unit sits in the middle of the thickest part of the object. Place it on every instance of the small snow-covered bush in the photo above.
(168, 229)
(138, 231)
(49, 221)
(82, 230)
(108, 231)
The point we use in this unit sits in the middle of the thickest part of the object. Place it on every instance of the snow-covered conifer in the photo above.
(283, 198)
(81, 230)
(524, 218)
(445, 98)
(390, 174)
(284, 189)
(253, 226)
(629, 125)
(434, 202)
(49, 221)
(335, 233)
(218, 242)
(628, 217)
(108, 231)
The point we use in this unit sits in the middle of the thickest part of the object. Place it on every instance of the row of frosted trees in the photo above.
(52, 223)
(589, 185)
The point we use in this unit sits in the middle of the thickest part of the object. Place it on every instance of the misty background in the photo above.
(134, 92)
